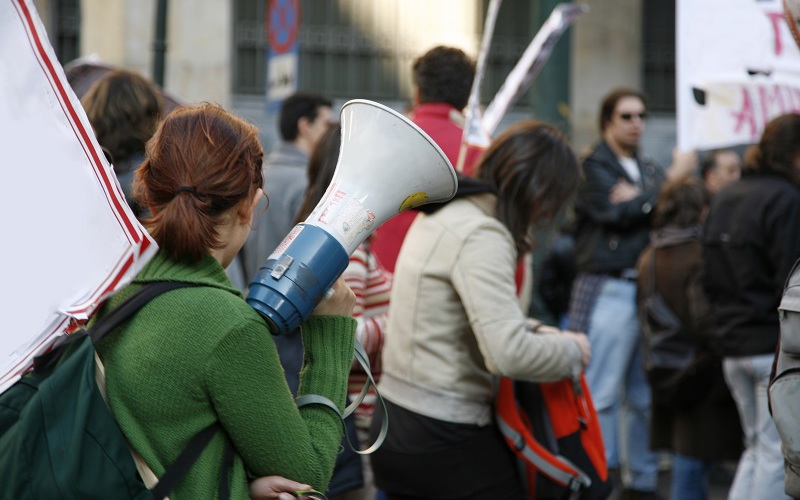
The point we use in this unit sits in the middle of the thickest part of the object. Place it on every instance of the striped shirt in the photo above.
(371, 284)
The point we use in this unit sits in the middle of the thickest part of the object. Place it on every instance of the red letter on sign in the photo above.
(777, 21)
(746, 116)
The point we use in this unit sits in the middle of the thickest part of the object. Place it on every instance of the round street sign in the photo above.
(283, 22)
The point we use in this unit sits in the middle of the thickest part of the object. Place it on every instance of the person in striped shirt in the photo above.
(371, 283)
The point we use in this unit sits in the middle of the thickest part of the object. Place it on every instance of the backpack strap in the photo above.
(176, 471)
(360, 355)
(180, 467)
(556, 467)
(131, 305)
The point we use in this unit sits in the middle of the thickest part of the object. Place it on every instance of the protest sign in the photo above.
(69, 237)
(737, 68)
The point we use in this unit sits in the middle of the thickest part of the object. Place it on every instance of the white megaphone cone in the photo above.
(386, 165)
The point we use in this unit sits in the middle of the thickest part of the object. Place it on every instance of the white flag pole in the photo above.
(473, 134)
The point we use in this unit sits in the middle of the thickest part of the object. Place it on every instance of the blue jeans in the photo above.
(760, 471)
(618, 385)
(689, 478)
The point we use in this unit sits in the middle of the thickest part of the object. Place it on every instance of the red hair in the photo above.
(201, 162)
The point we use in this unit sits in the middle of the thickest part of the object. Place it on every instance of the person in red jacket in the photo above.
(442, 82)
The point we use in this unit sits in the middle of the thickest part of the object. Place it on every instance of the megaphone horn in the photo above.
(386, 165)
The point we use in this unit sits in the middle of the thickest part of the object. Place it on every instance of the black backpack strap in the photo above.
(128, 308)
(187, 458)
(225, 473)
(180, 467)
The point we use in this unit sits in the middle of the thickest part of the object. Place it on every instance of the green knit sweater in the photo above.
(197, 355)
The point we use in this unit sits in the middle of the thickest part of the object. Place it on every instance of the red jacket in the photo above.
(445, 125)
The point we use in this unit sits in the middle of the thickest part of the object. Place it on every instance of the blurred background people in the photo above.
(124, 109)
(719, 168)
(455, 323)
(617, 193)
(209, 355)
(371, 284)
(697, 420)
(442, 80)
(303, 118)
(554, 276)
(751, 240)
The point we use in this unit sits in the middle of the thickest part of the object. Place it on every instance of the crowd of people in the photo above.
(440, 298)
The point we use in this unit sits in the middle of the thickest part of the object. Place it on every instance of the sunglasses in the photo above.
(629, 116)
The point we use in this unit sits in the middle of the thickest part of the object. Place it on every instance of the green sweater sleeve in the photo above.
(253, 402)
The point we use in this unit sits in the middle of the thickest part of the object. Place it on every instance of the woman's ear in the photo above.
(256, 198)
(247, 216)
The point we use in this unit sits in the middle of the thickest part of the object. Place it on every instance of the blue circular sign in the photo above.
(283, 22)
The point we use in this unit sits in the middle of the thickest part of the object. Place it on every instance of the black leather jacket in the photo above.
(609, 237)
(752, 238)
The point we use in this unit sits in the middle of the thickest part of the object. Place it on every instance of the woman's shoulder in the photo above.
(223, 301)
(212, 310)
(470, 220)
(469, 213)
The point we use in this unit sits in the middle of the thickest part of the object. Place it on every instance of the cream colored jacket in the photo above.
(455, 322)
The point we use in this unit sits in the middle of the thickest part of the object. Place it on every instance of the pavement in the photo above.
(719, 482)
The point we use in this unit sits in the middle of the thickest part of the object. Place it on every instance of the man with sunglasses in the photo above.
(612, 211)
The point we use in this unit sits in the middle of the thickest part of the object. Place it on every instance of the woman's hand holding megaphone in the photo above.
(339, 303)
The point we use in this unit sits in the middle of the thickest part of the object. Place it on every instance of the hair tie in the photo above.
(188, 189)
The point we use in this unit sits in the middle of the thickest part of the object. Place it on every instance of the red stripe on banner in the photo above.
(78, 127)
(120, 274)
(121, 271)
(138, 239)
(25, 363)
(144, 245)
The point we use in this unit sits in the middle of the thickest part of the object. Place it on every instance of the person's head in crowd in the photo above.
(124, 109)
(444, 75)
(201, 180)
(778, 151)
(535, 175)
(321, 167)
(719, 168)
(681, 203)
(303, 118)
(622, 119)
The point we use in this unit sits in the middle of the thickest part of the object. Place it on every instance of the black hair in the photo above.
(297, 106)
(535, 175)
(444, 74)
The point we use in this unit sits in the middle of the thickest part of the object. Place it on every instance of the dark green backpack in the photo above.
(58, 438)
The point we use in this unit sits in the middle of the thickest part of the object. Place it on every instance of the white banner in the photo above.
(70, 238)
(737, 68)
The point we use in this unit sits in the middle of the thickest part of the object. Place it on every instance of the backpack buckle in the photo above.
(519, 442)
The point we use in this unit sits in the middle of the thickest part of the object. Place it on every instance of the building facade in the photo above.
(216, 51)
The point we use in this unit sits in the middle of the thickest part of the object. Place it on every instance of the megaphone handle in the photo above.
(309, 399)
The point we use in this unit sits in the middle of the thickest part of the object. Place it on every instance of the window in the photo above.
(340, 58)
(658, 55)
(67, 27)
(249, 63)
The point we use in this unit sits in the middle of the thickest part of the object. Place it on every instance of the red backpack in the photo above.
(553, 428)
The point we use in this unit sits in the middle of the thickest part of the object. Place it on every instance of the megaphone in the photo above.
(386, 165)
